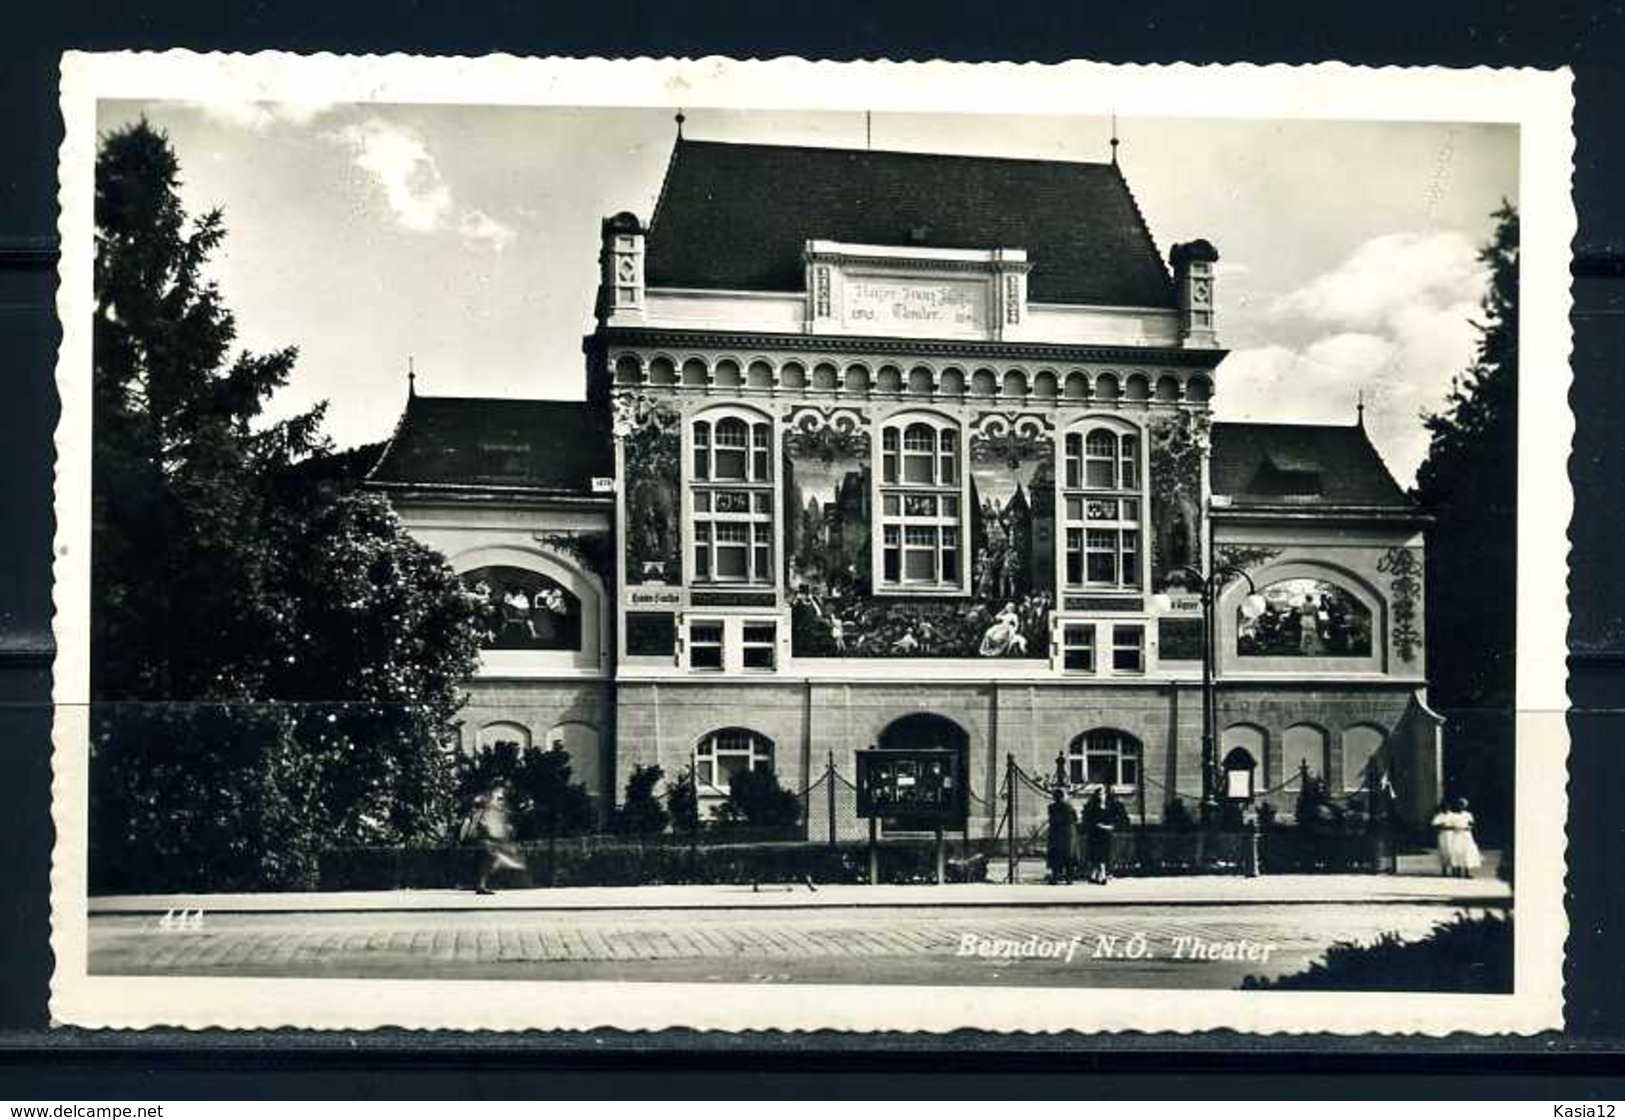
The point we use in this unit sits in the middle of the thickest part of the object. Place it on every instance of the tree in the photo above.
(1469, 484)
(546, 802)
(640, 812)
(757, 800)
(307, 651)
(683, 801)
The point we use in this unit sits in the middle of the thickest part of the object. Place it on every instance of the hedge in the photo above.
(595, 862)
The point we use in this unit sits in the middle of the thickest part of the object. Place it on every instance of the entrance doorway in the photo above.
(925, 731)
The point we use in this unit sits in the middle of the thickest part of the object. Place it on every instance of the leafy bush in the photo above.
(640, 812)
(683, 802)
(757, 800)
(545, 802)
(1468, 954)
(617, 862)
(1176, 815)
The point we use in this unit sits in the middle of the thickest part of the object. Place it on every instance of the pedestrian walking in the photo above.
(1459, 856)
(489, 828)
(1097, 838)
(1061, 854)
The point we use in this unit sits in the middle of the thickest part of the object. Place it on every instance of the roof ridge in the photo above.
(1139, 218)
(389, 444)
(891, 152)
(665, 179)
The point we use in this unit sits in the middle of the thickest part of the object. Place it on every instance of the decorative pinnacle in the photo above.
(411, 378)
(680, 118)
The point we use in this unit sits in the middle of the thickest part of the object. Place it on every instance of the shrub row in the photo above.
(590, 862)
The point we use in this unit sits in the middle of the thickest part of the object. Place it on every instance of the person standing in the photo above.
(1061, 849)
(1459, 856)
(1097, 830)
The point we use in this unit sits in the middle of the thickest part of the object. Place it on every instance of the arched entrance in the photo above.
(925, 731)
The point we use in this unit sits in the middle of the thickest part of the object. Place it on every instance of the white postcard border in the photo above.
(1539, 102)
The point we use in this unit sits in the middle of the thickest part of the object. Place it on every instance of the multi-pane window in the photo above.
(1104, 758)
(731, 488)
(1128, 649)
(705, 645)
(1103, 503)
(758, 645)
(722, 754)
(921, 506)
(1078, 647)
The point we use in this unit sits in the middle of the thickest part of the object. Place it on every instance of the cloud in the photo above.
(477, 225)
(1391, 322)
(399, 161)
(1388, 275)
(260, 116)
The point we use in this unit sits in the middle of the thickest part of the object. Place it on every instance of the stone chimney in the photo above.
(620, 264)
(1193, 263)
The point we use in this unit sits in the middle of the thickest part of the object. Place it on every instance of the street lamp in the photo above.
(1209, 587)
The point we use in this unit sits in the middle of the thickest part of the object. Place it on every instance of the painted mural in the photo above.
(650, 435)
(837, 610)
(521, 609)
(1305, 618)
(1178, 443)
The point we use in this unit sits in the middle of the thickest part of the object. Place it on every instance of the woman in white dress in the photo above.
(1458, 851)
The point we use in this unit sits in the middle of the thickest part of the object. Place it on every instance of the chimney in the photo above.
(620, 264)
(1193, 263)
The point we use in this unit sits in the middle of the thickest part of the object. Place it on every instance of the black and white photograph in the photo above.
(775, 544)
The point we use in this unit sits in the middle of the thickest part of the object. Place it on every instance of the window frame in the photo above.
(1089, 745)
(713, 532)
(1102, 520)
(757, 749)
(921, 523)
(690, 644)
(770, 644)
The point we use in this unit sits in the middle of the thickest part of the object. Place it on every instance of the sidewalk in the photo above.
(1196, 890)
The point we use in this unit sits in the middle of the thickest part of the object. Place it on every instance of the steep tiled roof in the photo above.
(1301, 465)
(738, 216)
(492, 441)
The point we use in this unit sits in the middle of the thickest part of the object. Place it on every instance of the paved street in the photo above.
(763, 944)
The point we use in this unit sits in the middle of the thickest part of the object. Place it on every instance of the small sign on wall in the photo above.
(603, 486)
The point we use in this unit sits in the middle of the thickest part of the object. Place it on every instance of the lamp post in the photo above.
(1210, 587)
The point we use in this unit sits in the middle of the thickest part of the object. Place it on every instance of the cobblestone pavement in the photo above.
(803, 946)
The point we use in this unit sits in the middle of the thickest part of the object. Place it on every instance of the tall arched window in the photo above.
(732, 493)
(1104, 757)
(1103, 503)
(921, 509)
(722, 754)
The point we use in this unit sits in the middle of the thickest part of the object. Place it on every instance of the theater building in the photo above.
(893, 449)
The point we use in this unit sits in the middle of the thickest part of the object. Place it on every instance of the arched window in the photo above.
(732, 495)
(722, 754)
(920, 504)
(1104, 757)
(1101, 493)
(521, 609)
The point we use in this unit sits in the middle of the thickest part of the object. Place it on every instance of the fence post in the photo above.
(1010, 814)
(829, 780)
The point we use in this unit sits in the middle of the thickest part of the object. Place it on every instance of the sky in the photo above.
(466, 239)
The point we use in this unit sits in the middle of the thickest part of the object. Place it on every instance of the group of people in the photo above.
(1089, 834)
(1459, 856)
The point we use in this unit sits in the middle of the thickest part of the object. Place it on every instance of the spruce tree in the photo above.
(1469, 484)
(275, 662)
